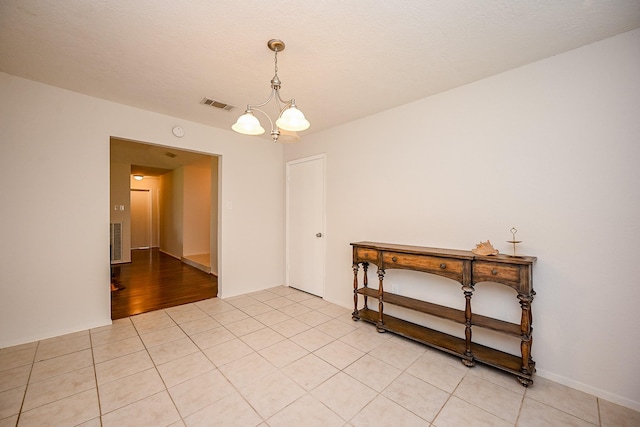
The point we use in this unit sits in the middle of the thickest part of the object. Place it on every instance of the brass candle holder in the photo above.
(513, 240)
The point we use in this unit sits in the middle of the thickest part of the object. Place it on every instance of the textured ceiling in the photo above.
(343, 59)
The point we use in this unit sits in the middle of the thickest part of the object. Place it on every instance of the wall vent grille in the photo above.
(216, 104)
(116, 241)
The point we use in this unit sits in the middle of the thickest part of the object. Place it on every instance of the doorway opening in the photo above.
(164, 206)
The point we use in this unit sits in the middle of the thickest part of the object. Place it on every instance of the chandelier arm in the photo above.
(250, 106)
(253, 108)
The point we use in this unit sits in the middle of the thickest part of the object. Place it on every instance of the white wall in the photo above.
(54, 178)
(197, 207)
(551, 148)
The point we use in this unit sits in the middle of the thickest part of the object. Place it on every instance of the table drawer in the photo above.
(435, 265)
(365, 255)
(484, 271)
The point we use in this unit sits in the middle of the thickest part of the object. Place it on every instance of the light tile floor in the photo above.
(278, 357)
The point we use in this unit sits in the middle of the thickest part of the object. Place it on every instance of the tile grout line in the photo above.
(26, 387)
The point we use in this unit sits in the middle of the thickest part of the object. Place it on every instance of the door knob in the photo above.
(318, 234)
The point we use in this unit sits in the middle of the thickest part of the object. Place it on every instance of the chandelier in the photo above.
(290, 120)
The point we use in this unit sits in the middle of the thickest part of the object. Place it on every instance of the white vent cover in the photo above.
(217, 104)
(116, 241)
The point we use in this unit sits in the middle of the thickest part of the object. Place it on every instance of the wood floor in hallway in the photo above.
(154, 280)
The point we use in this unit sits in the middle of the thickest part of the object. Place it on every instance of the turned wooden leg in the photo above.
(355, 315)
(380, 299)
(468, 292)
(365, 282)
(525, 332)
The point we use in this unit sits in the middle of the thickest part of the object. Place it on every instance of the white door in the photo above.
(305, 224)
(140, 219)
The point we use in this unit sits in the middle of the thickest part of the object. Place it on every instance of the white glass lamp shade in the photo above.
(292, 119)
(248, 124)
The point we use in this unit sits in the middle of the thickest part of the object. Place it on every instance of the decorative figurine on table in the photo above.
(485, 248)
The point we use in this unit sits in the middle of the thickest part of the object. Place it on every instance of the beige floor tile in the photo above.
(457, 412)
(384, 412)
(437, 372)
(308, 412)
(69, 411)
(335, 328)
(492, 398)
(365, 339)
(309, 371)
(121, 367)
(247, 370)
(300, 296)
(421, 398)
(145, 325)
(344, 395)
(105, 352)
(272, 393)
(9, 422)
(214, 306)
(186, 315)
(106, 336)
(228, 351)
(13, 359)
(313, 318)
(61, 365)
(10, 401)
(19, 347)
(312, 339)
(130, 389)
(96, 422)
(537, 414)
(57, 348)
(232, 411)
(339, 354)
(212, 337)
(314, 303)
(373, 372)
(199, 325)
(180, 370)
(56, 388)
(65, 337)
(294, 310)
(290, 327)
(333, 310)
(612, 415)
(498, 377)
(244, 327)
(566, 399)
(15, 377)
(263, 295)
(258, 308)
(230, 316)
(200, 392)
(272, 317)
(283, 353)
(284, 290)
(155, 410)
(262, 338)
(241, 301)
(162, 336)
(395, 354)
(172, 350)
(279, 303)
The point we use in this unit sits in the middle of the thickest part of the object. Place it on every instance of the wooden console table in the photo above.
(466, 268)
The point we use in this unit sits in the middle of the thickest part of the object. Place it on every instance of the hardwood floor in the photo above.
(154, 280)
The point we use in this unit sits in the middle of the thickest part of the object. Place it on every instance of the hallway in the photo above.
(154, 280)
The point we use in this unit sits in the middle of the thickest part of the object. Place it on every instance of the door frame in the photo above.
(323, 158)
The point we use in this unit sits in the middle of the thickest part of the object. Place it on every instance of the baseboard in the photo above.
(602, 394)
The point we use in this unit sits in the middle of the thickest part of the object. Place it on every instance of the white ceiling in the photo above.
(343, 59)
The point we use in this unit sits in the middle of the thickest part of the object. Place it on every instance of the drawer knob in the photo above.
(494, 272)
(443, 266)
(394, 259)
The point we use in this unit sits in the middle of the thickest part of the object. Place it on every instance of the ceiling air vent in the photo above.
(217, 104)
